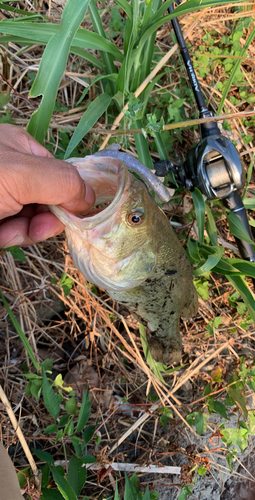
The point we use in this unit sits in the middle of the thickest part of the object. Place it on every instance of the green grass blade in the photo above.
(88, 120)
(52, 67)
(20, 332)
(25, 13)
(234, 70)
(247, 296)
(87, 56)
(245, 267)
(199, 204)
(41, 33)
(249, 203)
(210, 263)
(211, 226)
(248, 177)
(73, 50)
(107, 58)
(126, 7)
(237, 228)
(84, 412)
(142, 147)
(112, 77)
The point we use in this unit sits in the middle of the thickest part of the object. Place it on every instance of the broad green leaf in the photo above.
(235, 436)
(20, 332)
(210, 263)
(90, 117)
(207, 390)
(50, 494)
(22, 476)
(155, 366)
(44, 456)
(46, 477)
(88, 459)
(185, 492)
(199, 204)
(17, 253)
(51, 429)
(66, 284)
(235, 391)
(237, 228)
(84, 412)
(87, 435)
(199, 420)
(211, 226)
(65, 489)
(50, 398)
(247, 296)
(53, 65)
(71, 406)
(218, 407)
(76, 443)
(76, 475)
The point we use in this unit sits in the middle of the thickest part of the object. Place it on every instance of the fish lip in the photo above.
(88, 222)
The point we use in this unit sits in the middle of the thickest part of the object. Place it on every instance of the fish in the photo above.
(125, 245)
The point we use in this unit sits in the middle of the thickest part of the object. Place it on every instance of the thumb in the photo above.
(36, 179)
(30, 174)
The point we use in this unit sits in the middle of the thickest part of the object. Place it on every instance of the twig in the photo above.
(152, 469)
(9, 410)
(17, 93)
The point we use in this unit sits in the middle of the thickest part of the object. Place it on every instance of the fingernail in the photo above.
(15, 242)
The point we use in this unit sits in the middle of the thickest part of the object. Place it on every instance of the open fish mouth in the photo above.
(109, 179)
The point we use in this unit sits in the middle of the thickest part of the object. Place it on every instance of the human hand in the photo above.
(30, 179)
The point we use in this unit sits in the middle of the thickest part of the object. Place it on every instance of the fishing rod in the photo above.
(213, 165)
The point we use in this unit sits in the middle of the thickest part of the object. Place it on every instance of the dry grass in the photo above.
(89, 337)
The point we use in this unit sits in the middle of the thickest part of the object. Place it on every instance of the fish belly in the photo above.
(159, 302)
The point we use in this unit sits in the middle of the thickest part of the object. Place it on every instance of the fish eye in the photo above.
(136, 218)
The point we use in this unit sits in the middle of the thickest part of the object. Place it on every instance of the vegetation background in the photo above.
(115, 67)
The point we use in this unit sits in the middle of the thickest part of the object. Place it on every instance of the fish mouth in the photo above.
(109, 179)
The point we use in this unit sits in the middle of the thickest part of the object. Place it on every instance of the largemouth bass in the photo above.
(126, 245)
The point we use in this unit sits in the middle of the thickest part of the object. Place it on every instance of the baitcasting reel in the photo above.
(213, 165)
